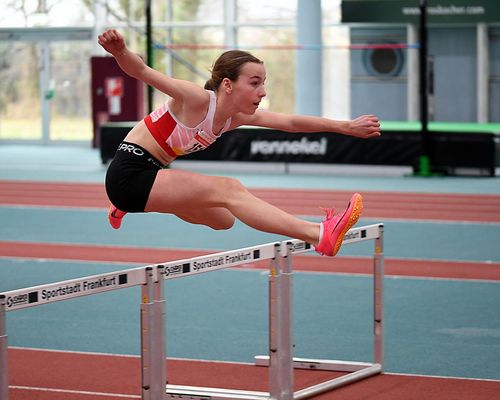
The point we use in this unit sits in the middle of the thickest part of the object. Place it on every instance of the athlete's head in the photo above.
(241, 75)
(229, 65)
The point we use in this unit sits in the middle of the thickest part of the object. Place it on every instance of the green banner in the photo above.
(408, 11)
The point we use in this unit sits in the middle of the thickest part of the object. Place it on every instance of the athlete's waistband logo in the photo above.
(131, 149)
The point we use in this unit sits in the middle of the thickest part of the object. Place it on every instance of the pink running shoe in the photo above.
(115, 216)
(335, 227)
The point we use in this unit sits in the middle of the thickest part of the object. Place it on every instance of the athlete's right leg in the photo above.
(215, 201)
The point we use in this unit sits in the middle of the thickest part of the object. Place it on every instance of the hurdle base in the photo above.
(318, 364)
(326, 386)
(198, 393)
(356, 372)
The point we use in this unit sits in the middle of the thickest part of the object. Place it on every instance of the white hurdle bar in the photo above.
(153, 317)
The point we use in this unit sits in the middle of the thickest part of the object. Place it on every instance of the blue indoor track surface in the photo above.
(403, 239)
(433, 326)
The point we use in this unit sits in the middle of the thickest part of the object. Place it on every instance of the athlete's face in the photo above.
(248, 89)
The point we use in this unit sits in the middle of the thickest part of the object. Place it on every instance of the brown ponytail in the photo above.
(209, 85)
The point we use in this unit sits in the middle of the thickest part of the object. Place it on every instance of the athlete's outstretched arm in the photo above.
(112, 41)
(365, 126)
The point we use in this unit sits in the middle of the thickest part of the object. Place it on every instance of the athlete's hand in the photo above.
(365, 126)
(112, 41)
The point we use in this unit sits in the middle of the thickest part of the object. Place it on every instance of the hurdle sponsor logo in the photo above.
(352, 235)
(13, 301)
(21, 299)
(301, 246)
(177, 269)
(355, 235)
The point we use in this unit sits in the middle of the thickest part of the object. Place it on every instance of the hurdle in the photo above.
(355, 370)
(69, 289)
(280, 359)
(154, 366)
(202, 264)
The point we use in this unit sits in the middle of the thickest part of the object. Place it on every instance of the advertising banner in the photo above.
(407, 11)
(265, 145)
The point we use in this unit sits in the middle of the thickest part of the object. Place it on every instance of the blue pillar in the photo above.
(309, 71)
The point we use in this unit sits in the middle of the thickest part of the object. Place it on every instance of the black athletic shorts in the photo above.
(130, 177)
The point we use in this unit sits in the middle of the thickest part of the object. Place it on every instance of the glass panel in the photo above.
(189, 62)
(57, 13)
(206, 11)
(331, 13)
(69, 13)
(265, 11)
(69, 91)
(336, 72)
(19, 91)
(279, 62)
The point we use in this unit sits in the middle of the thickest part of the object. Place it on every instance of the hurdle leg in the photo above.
(378, 289)
(147, 336)
(275, 381)
(286, 343)
(4, 375)
(159, 374)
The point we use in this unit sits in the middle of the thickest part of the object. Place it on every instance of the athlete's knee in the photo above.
(231, 190)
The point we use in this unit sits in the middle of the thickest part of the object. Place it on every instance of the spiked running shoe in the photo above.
(336, 226)
(115, 216)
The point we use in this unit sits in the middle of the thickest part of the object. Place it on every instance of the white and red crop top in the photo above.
(176, 138)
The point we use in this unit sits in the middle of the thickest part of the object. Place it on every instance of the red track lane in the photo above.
(410, 206)
(79, 376)
(349, 265)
